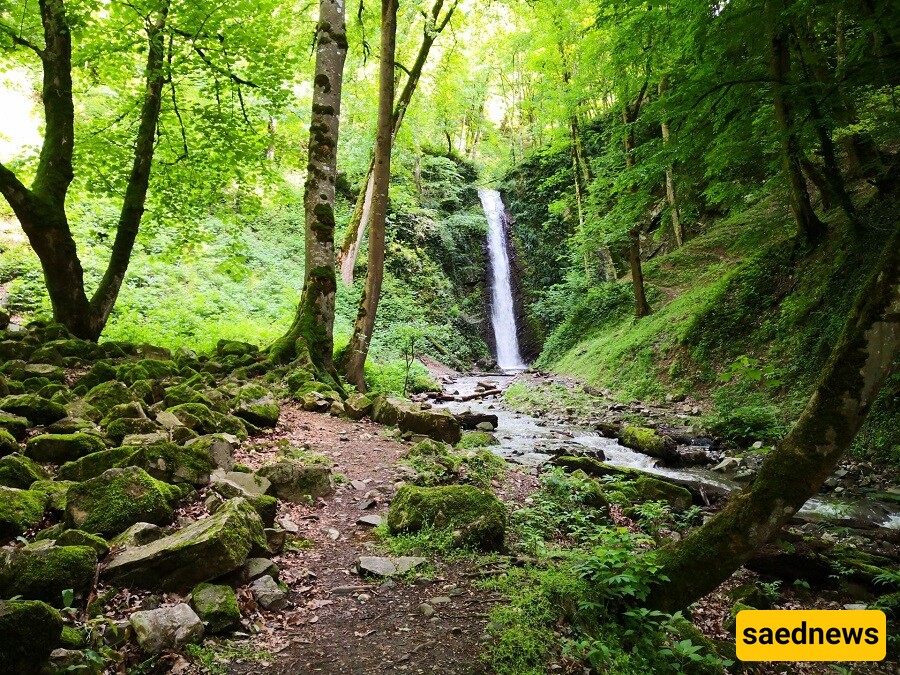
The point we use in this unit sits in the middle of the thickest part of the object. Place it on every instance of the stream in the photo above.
(531, 441)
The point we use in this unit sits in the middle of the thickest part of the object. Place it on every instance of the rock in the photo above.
(370, 521)
(484, 426)
(336, 409)
(217, 607)
(132, 410)
(358, 406)
(388, 567)
(69, 425)
(477, 517)
(476, 439)
(730, 624)
(255, 568)
(20, 472)
(55, 491)
(107, 395)
(70, 660)
(164, 461)
(426, 610)
(41, 571)
(59, 448)
(30, 630)
(138, 534)
(142, 440)
(8, 443)
(275, 539)
(20, 510)
(314, 401)
(167, 628)
(238, 484)
(118, 498)
(125, 429)
(196, 417)
(440, 600)
(650, 443)
(439, 424)
(268, 594)
(81, 538)
(728, 464)
(37, 410)
(201, 551)
(15, 425)
(471, 420)
(219, 447)
(296, 482)
(257, 405)
(656, 490)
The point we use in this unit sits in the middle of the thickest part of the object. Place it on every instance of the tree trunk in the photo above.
(641, 307)
(310, 339)
(864, 358)
(779, 69)
(670, 175)
(362, 212)
(358, 349)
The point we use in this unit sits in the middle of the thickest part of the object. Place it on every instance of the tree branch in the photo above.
(13, 189)
(19, 40)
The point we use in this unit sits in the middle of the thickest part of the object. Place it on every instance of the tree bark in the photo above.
(310, 339)
(358, 349)
(863, 360)
(362, 212)
(670, 175)
(641, 306)
(779, 70)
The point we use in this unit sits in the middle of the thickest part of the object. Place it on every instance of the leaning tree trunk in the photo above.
(864, 358)
(362, 212)
(310, 339)
(779, 70)
(358, 349)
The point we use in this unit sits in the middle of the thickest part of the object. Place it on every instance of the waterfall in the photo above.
(503, 316)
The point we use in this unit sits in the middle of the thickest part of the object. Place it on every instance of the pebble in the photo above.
(362, 597)
(426, 610)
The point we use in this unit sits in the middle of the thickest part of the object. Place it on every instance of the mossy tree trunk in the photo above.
(865, 357)
(362, 212)
(629, 117)
(41, 209)
(358, 349)
(310, 339)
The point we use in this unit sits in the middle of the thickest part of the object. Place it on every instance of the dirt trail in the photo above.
(339, 622)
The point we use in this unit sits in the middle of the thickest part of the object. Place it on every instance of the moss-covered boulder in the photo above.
(30, 630)
(195, 416)
(37, 410)
(100, 372)
(20, 510)
(476, 439)
(357, 406)
(202, 551)
(675, 496)
(70, 425)
(120, 429)
(8, 443)
(42, 571)
(219, 447)
(55, 491)
(60, 448)
(15, 425)
(648, 442)
(18, 471)
(174, 464)
(477, 518)
(436, 423)
(294, 481)
(132, 410)
(82, 538)
(182, 393)
(118, 498)
(257, 405)
(107, 395)
(217, 607)
(730, 623)
(91, 466)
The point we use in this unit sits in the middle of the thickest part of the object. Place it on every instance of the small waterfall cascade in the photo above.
(503, 316)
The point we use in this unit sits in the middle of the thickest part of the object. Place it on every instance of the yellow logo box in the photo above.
(811, 635)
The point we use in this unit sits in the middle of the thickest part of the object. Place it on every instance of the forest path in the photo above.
(340, 622)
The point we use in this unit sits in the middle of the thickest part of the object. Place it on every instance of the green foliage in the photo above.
(216, 657)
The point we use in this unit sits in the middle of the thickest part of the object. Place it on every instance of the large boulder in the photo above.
(219, 447)
(107, 395)
(167, 628)
(36, 410)
(163, 461)
(294, 481)
(648, 442)
(20, 510)
(217, 606)
(675, 496)
(30, 630)
(8, 443)
(202, 551)
(55, 491)
(195, 416)
(357, 406)
(476, 517)
(18, 471)
(257, 405)
(436, 423)
(42, 571)
(16, 425)
(117, 499)
(60, 448)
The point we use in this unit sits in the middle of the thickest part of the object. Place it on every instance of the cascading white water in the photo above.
(503, 316)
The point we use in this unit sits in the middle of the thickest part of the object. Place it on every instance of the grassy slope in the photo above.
(743, 287)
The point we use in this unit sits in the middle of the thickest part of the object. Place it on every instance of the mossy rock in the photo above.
(15, 425)
(60, 448)
(651, 489)
(107, 395)
(296, 482)
(257, 405)
(72, 638)
(42, 571)
(78, 408)
(37, 410)
(476, 439)
(202, 551)
(118, 498)
(648, 442)
(8, 443)
(30, 630)
(195, 416)
(82, 349)
(70, 425)
(750, 595)
(131, 410)
(217, 607)
(91, 466)
(118, 430)
(235, 348)
(174, 464)
(20, 510)
(730, 624)
(100, 372)
(18, 471)
(55, 491)
(229, 424)
(357, 406)
(436, 423)
(477, 518)
(50, 372)
(219, 447)
(180, 394)
(266, 506)
(82, 538)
